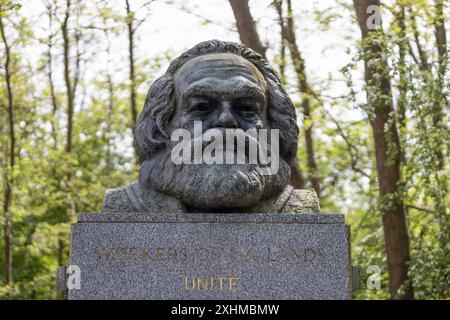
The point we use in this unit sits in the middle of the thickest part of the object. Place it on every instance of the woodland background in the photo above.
(372, 106)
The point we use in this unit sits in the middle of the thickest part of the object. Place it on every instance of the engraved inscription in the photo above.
(213, 283)
(250, 254)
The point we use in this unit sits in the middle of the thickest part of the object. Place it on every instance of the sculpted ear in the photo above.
(150, 133)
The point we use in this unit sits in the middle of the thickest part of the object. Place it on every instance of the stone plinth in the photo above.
(211, 256)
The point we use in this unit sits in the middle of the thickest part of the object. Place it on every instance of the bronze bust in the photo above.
(222, 85)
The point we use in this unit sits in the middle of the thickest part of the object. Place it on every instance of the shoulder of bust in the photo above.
(134, 199)
(302, 201)
(117, 200)
(290, 200)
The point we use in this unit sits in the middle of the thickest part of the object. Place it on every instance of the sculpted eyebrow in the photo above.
(250, 91)
(197, 89)
(243, 91)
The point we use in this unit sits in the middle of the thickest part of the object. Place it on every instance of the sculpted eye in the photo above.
(245, 107)
(203, 105)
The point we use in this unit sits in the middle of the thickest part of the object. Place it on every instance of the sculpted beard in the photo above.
(212, 186)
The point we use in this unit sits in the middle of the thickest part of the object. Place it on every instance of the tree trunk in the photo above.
(111, 100)
(441, 35)
(70, 92)
(304, 88)
(402, 48)
(282, 63)
(109, 124)
(131, 62)
(246, 26)
(67, 77)
(387, 153)
(9, 165)
(441, 99)
(400, 20)
(51, 13)
(297, 180)
(250, 37)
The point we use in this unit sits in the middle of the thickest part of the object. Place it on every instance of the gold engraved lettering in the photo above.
(242, 254)
(310, 255)
(187, 283)
(172, 253)
(159, 254)
(218, 283)
(233, 284)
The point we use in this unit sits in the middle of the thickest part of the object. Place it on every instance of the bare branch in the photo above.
(410, 206)
(352, 150)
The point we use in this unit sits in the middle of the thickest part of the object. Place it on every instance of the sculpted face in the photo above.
(222, 91)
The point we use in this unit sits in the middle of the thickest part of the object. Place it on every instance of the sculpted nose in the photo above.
(226, 118)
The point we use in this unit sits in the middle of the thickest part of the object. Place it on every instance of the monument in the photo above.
(213, 215)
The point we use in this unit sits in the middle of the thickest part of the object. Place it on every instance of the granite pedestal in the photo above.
(211, 256)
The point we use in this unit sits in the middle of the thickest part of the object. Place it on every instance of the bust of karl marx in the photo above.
(225, 86)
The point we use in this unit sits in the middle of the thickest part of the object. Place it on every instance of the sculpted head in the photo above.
(225, 86)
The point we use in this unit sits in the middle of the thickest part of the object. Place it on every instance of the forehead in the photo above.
(220, 71)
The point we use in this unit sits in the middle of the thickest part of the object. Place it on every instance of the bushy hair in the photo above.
(159, 108)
